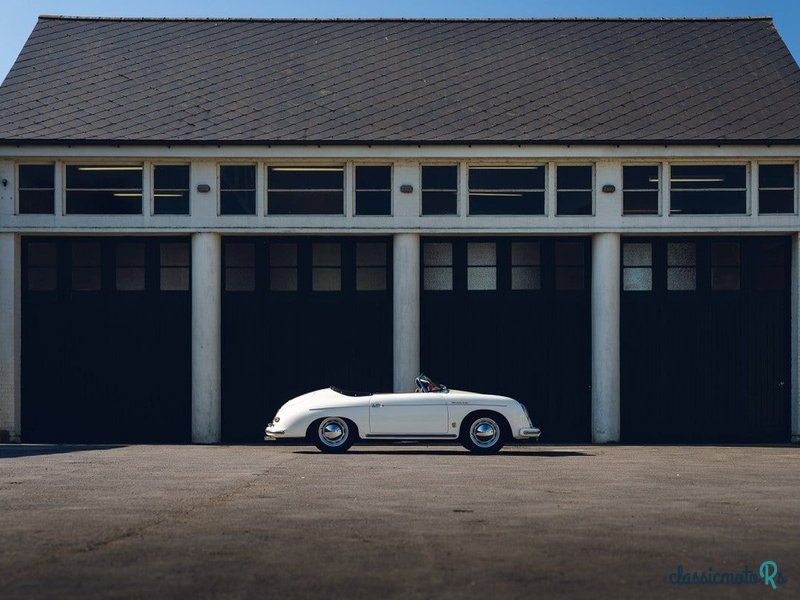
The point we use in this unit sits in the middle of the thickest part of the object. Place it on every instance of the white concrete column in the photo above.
(206, 338)
(605, 337)
(795, 397)
(406, 311)
(10, 336)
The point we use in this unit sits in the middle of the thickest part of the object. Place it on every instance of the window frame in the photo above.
(459, 170)
(235, 163)
(496, 166)
(56, 180)
(352, 187)
(739, 162)
(757, 188)
(152, 187)
(661, 170)
(64, 165)
(556, 189)
(348, 186)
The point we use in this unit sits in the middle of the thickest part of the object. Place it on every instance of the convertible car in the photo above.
(334, 419)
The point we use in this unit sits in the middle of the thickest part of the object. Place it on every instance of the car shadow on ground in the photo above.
(22, 450)
(436, 452)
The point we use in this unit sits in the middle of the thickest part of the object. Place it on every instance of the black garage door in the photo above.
(106, 334)
(706, 340)
(301, 314)
(512, 316)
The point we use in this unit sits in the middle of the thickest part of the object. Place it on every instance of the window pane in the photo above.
(86, 254)
(42, 254)
(526, 278)
(237, 203)
(525, 253)
(373, 178)
(174, 279)
(725, 254)
(373, 203)
(506, 178)
(240, 255)
(640, 203)
(725, 278)
(681, 254)
(37, 176)
(240, 279)
(371, 278)
(569, 253)
(283, 279)
(104, 202)
(435, 254)
(438, 278)
(637, 255)
(326, 279)
(174, 260)
(439, 177)
(481, 253)
(237, 177)
(640, 177)
(36, 202)
(306, 203)
(481, 278)
(569, 278)
(305, 178)
(506, 203)
(171, 177)
(130, 254)
(41, 279)
(371, 254)
(681, 278)
(106, 177)
(283, 255)
(775, 176)
(129, 279)
(637, 279)
(708, 177)
(574, 203)
(712, 202)
(574, 177)
(439, 203)
(41, 272)
(326, 255)
(174, 254)
(776, 202)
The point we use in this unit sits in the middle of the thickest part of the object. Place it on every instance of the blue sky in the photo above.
(19, 16)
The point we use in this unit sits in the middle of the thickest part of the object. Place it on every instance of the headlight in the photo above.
(277, 418)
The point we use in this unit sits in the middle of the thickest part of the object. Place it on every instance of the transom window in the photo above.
(725, 266)
(681, 266)
(86, 272)
(41, 269)
(526, 266)
(506, 190)
(305, 190)
(237, 190)
(171, 189)
(174, 265)
(326, 267)
(640, 189)
(776, 189)
(371, 266)
(373, 190)
(283, 267)
(36, 189)
(240, 267)
(130, 266)
(439, 189)
(574, 190)
(570, 266)
(708, 189)
(104, 189)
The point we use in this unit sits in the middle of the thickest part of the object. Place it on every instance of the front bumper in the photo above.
(530, 433)
(273, 432)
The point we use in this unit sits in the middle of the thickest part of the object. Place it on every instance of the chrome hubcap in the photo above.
(484, 432)
(333, 432)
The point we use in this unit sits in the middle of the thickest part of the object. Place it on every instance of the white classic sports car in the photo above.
(333, 419)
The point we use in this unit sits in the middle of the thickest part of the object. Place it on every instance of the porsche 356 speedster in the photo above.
(334, 419)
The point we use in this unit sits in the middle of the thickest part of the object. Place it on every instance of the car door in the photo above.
(408, 414)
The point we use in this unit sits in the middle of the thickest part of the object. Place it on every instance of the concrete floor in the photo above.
(395, 521)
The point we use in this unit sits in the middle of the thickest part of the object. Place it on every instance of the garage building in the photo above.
(200, 219)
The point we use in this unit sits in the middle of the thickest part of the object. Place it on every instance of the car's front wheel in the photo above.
(483, 433)
(333, 434)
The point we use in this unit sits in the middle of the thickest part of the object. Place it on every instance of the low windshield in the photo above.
(425, 384)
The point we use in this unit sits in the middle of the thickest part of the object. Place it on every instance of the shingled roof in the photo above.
(89, 80)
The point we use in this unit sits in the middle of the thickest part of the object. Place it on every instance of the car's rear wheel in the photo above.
(483, 433)
(333, 434)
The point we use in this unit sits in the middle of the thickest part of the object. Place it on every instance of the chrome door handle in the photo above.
(376, 404)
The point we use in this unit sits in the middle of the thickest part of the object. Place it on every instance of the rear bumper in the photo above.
(529, 433)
